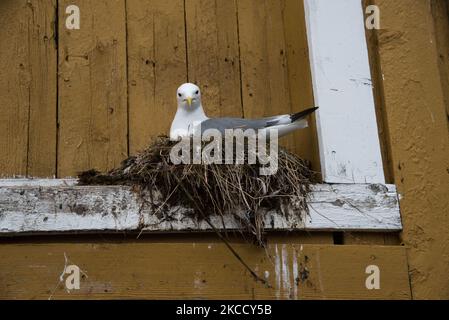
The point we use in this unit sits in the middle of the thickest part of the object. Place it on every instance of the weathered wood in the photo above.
(303, 237)
(370, 238)
(378, 92)
(14, 103)
(213, 55)
(440, 12)
(417, 122)
(346, 121)
(27, 88)
(67, 208)
(356, 207)
(92, 88)
(300, 78)
(92, 78)
(156, 67)
(200, 270)
(265, 86)
(43, 92)
(264, 64)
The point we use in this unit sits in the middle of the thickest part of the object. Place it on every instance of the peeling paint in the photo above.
(277, 273)
(286, 281)
(295, 274)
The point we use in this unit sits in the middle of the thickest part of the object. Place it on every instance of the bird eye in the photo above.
(179, 95)
(197, 91)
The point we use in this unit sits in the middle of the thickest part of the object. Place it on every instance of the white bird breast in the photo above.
(185, 131)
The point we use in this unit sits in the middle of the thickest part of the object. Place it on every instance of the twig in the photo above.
(228, 245)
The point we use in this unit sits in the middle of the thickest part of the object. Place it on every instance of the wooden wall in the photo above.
(198, 267)
(28, 88)
(413, 56)
(72, 100)
(78, 99)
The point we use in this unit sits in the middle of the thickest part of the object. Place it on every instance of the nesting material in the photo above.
(217, 189)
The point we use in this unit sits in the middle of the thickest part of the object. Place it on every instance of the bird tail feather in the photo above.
(301, 115)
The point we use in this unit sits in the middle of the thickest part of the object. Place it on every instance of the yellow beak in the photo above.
(189, 101)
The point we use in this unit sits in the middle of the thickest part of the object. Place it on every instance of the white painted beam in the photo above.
(346, 121)
(56, 206)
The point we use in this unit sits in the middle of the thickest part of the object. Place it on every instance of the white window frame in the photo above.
(346, 120)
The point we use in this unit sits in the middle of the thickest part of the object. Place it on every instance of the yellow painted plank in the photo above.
(27, 88)
(200, 270)
(92, 88)
(378, 92)
(440, 11)
(213, 55)
(263, 60)
(274, 66)
(157, 66)
(371, 238)
(300, 237)
(417, 124)
(300, 78)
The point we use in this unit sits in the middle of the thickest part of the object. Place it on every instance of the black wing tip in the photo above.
(300, 115)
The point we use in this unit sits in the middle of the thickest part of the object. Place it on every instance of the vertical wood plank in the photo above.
(346, 121)
(14, 88)
(92, 88)
(157, 66)
(264, 67)
(43, 90)
(440, 11)
(265, 82)
(378, 91)
(417, 123)
(275, 71)
(213, 55)
(27, 88)
(300, 78)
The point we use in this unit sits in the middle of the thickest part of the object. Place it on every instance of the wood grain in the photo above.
(263, 60)
(46, 209)
(102, 114)
(157, 66)
(213, 55)
(409, 57)
(379, 98)
(300, 78)
(371, 238)
(262, 45)
(130, 270)
(440, 12)
(92, 88)
(28, 88)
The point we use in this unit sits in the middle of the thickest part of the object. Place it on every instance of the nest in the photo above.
(214, 189)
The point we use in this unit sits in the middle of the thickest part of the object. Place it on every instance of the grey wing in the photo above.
(221, 124)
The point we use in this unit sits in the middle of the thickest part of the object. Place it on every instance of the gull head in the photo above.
(189, 96)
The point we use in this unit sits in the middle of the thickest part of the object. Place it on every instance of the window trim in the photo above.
(346, 120)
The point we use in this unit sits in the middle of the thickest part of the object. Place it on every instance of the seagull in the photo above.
(190, 118)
